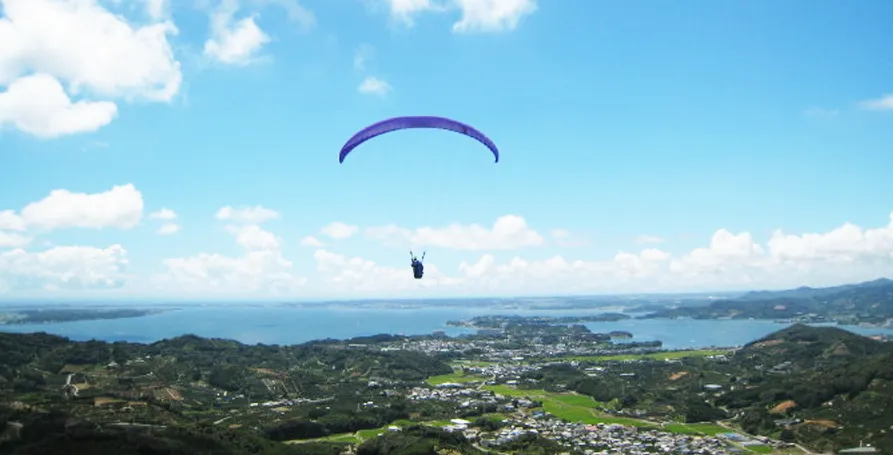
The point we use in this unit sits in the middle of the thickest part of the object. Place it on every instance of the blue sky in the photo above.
(652, 146)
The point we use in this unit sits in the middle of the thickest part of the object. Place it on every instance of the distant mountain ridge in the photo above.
(807, 292)
(867, 302)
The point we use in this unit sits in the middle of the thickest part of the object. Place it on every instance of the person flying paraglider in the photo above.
(414, 122)
(418, 269)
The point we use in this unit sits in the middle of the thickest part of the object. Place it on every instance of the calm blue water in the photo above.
(272, 325)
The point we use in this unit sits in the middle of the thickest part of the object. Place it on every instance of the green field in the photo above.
(708, 429)
(583, 409)
(664, 355)
(453, 377)
(362, 435)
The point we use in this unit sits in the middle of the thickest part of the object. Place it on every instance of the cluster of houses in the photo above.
(493, 348)
(603, 439)
(599, 439)
(466, 397)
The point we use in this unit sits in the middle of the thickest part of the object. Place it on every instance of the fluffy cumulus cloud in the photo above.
(167, 216)
(74, 267)
(249, 215)
(234, 41)
(120, 207)
(884, 103)
(261, 268)
(344, 274)
(238, 40)
(372, 85)
(67, 65)
(492, 15)
(63, 268)
(64, 65)
(312, 242)
(339, 230)
(476, 15)
(729, 261)
(508, 232)
(509, 257)
(157, 9)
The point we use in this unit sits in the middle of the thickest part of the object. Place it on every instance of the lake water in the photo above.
(276, 325)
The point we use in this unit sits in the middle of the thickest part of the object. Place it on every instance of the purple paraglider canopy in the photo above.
(401, 123)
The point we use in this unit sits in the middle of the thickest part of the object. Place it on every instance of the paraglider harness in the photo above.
(418, 269)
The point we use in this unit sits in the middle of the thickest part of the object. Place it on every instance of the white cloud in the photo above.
(56, 50)
(476, 15)
(262, 268)
(492, 15)
(88, 46)
(372, 85)
(120, 207)
(9, 220)
(13, 240)
(340, 272)
(248, 215)
(164, 214)
(38, 105)
(253, 238)
(404, 10)
(508, 232)
(169, 228)
(727, 253)
(648, 239)
(339, 230)
(884, 103)
(730, 261)
(234, 42)
(157, 9)
(846, 244)
(558, 274)
(256, 271)
(64, 267)
(311, 241)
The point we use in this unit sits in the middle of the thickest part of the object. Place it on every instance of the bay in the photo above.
(283, 325)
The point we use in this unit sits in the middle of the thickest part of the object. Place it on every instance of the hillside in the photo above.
(166, 397)
(823, 387)
(869, 302)
(806, 347)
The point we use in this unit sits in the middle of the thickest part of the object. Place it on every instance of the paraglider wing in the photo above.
(401, 123)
